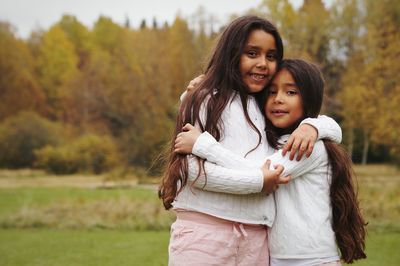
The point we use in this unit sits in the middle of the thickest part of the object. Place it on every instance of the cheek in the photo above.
(267, 106)
(272, 68)
(242, 65)
(300, 109)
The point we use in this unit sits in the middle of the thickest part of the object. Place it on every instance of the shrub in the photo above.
(21, 135)
(89, 153)
(98, 154)
(58, 160)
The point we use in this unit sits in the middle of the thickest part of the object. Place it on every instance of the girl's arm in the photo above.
(327, 128)
(225, 180)
(235, 181)
(302, 140)
(208, 148)
(205, 146)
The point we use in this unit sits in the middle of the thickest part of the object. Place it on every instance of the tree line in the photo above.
(74, 98)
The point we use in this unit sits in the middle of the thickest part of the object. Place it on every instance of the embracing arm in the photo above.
(327, 127)
(225, 180)
(236, 181)
(296, 168)
(208, 148)
(302, 140)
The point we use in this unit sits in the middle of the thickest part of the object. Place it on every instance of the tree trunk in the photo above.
(350, 145)
(365, 150)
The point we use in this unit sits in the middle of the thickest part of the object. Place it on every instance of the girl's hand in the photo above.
(185, 140)
(273, 178)
(301, 141)
(194, 82)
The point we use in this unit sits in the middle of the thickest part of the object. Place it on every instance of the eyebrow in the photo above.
(288, 84)
(251, 46)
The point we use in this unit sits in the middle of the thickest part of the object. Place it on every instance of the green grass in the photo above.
(82, 226)
(12, 199)
(379, 195)
(79, 208)
(47, 247)
(382, 249)
(108, 247)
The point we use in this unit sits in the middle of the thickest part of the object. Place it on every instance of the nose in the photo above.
(278, 97)
(262, 63)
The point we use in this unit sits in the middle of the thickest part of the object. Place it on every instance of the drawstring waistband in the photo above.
(238, 230)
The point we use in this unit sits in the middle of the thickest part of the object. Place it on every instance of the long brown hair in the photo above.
(348, 223)
(221, 83)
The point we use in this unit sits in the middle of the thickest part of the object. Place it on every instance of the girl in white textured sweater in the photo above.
(224, 104)
(317, 211)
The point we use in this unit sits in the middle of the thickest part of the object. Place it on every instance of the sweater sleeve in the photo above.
(225, 180)
(327, 127)
(208, 148)
(298, 168)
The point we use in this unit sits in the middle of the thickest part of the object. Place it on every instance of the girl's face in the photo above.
(284, 106)
(258, 60)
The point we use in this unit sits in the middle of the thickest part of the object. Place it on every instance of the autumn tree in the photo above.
(79, 36)
(124, 90)
(19, 90)
(370, 82)
(182, 62)
(382, 54)
(56, 64)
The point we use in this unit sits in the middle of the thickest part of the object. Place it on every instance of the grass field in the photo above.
(74, 225)
(48, 247)
(107, 247)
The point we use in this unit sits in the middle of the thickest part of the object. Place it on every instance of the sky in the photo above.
(28, 15)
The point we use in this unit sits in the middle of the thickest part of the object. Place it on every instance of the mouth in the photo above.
(259, 77)
(278, 112)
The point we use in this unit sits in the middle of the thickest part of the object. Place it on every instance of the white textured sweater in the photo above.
(302, 227)
(234, 194)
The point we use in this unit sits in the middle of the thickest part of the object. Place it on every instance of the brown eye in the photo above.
(271, 56)
(252, 53)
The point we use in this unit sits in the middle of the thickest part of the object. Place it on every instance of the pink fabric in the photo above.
(199, 239)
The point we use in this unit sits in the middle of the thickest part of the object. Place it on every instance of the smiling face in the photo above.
(284, 105)
(258, 61)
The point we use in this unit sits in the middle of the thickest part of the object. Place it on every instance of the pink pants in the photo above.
(200, 239)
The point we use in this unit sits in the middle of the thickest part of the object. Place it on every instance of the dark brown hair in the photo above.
(221, 83)
(348, 223)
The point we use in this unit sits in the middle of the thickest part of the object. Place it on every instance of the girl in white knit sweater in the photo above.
(243, 62)
(317, 211)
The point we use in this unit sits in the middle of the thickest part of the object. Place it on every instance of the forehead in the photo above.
(283, 77)
(261, 39)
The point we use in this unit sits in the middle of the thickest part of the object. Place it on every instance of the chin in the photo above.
(279, 125)
(255, 89)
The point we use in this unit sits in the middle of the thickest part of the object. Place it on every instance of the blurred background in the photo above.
(89, 91)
